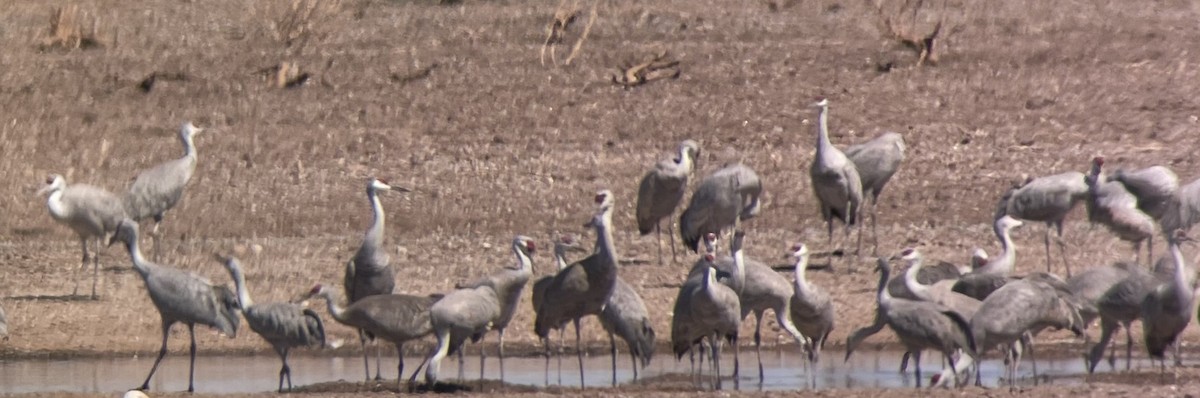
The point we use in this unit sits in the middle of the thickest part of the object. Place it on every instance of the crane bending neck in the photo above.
(910, 279)
(685, 158)
(135, 253)
(524, 263)
(739, 266)
(823, 128)
(374, 235)
(1182, 280)
(57, 208)
(560, 257)
(331, 301)
(239, 282)
(885, 297)
(189, 145)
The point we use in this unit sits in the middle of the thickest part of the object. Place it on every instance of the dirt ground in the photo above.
(452, 102)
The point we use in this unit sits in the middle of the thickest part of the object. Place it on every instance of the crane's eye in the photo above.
(567, 239)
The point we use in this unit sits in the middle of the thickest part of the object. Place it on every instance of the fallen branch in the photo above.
(654, 68)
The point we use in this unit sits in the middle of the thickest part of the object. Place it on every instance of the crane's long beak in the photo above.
(400, 189)
(577, 249)
(44, 190)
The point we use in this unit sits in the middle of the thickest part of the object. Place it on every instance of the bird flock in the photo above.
(960, 312)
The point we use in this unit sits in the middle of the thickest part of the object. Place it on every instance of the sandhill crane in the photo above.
(877, 161)
(1015, 312)
(368, 272)
(991, 276)
(460, 314)
(1167, 310)
(1111, 205)
(508, 284)
(180, 297)
(626, 316)
(396, 318)
(942, 275)
(708, 309)
(811, 309)
(921, 325)
(759, 289)
(661, 190)
(1048, 199)
(157, 189)
(723, 199)
(965, 306)
(561, 247)
(89, 211)
(835, 180)
(583, 288)
(1118, 306)
(1154, 187)
(1183, 210)
(283, 325)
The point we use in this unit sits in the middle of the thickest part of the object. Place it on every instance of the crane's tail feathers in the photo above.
(965, 328)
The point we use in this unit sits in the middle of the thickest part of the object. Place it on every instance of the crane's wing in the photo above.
(315, 327)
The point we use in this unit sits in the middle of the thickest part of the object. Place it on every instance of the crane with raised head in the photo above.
(661, 191)
(811, 310)
(835, 179)
(508, 284)
(722, 201)
(180, 297)
(369, 272)
(991, 276)
(283, 325)
(1167, 309)
(158, 189)
(877, 161)
(705, 309)
(89, 211)
(561, 247)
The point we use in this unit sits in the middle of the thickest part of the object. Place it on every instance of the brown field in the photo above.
(451, 101)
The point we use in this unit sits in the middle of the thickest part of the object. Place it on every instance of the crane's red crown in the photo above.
(709, 257)
(316, 289)
(710, 236)
(600, 197)
(567, 239)
(529, 245)
(50, 179)
(797, 247)
(1099, 160)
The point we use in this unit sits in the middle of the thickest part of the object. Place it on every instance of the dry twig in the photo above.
(67, 31)
(654, 68)
(924, 45)
(563, 18)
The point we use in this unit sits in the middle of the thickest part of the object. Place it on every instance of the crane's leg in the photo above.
(1128, 346)
(658, 238)
(156, 237)
(612, 344)
(462, 363)
(284, 371)
(917, 363)
(716, 360)
(737, 360)
(192, 359)
(82, 264)
(162, 352)
(1097, 351)
(546, 345)
(400, 365)
(671, 237)
(501, 331)
(362, 339)
(633, 359)
(482, 361)
(1046, 241)
(1032, 359)
(579, 351)
(378, 353)
(904, 361)
(758, 344)
(874, 227)
(434, 363)
(1062, 247)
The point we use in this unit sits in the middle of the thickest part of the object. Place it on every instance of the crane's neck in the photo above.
(604, 241)
(823, 129)
(885, 297)
(374, 235)
(239, 282)
(910, 279)
(189, 145)
(1183, 282)
(685, 159)
(739, 266)
(560, 256)
(333, 302)
(135, 254)
(801, 273)
(58, 209)
(710, 277)
(524, 263)
(1008, 254)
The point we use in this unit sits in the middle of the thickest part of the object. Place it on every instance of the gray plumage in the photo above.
(283, 325)
(1118, 306)
(180, 297)
(721, 201)
(991, 276)
(705, 308)
(835, 180)
(395, 318)
(1183, 210)
(1111, 205)
(156, 190)
(564, 244)
(923, 325)
(461, 314)
(1047, 199)
(877, 161)
(508, 284)
(811, 310)
(89, 211)
(940, 272)
(369, 272)
(1167, 309)
(626, 316)
(661, 190)
(583, 288)
(1018, 310)
(963, 305)
(1153, 186)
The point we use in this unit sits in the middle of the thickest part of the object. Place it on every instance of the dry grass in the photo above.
(71, 29)
(299, 22)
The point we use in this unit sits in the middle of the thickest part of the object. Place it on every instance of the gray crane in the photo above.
(283, 325)
(921, 325)
(835, 180)
(369, 273)
(1154, 187)
(583, 288)
(561, 247)
(156, 190)
(942, 275)
(811, 310)
(877, 161)
(661, 190)
(759, 289)
(705, 308)
(1183, 211)
(395, 318)
(1111, 205)
(1118, 306)
(626, 316)
(965, 306)
(508, 284)
(89, 211)
(1167, 309)
(991, 276)
(461, 314)
(722, 201)
(1021, 308)
(1047, 199)
(180, 297)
